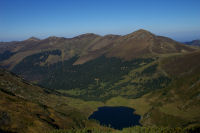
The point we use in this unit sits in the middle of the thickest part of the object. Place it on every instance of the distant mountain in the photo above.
(33, 39)
(193, 43)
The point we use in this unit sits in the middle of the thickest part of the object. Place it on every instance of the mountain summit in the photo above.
(141, 33)
(144, 43)
(33, 39)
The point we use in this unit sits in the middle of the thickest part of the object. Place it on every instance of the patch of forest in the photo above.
(96, 79)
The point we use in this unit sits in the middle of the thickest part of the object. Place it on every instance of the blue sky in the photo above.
(21, 19)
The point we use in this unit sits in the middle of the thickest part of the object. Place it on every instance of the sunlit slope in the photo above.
(181, 98)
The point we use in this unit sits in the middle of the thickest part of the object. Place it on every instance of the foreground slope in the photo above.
(28, 108)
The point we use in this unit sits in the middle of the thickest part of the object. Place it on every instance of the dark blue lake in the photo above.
(116, 117)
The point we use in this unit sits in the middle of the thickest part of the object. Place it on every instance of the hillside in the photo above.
(25, 107)
(181, 97)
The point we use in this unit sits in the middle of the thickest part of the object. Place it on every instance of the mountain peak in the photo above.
(142, 31)
(87, 35)
(33, 39)
(140, 34)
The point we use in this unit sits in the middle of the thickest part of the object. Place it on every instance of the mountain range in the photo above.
(63, 80)
(90, 46)
(193, 43)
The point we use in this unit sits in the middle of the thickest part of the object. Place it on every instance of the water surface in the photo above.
(116, 117)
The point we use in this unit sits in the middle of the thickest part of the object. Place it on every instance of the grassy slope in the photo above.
(17, 114)
(135, 129)
(177, 104)
(185, 89)
(28, 108)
